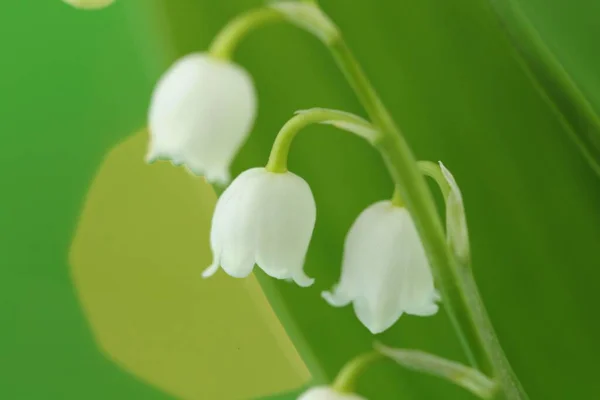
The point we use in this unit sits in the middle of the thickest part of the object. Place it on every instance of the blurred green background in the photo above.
(100, 296)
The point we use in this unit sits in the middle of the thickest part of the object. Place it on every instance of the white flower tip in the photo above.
(152, 156)
(89, 4)
(328, 393)
(155, 155)
(334, 299)
(220, 177)
(303, 280)
(376, 328)
(210, 270)
(427, 309)
(424, 311)
(378, 324)
(373, 319)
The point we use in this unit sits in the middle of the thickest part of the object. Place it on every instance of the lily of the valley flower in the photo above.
(89, 4)
(201, 112)
(385, 271)
(326, 393)
(265, 218)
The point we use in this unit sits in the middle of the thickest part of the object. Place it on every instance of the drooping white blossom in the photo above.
(201, 112)
(263, 218)
(89, 4)
(327, 393)
(385, 271)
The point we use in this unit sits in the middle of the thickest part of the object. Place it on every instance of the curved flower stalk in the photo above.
(89, 4)
(201, 112)
(385, 271)
(264, 218)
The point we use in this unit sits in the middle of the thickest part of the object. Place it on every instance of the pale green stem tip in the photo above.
(434, 171)
(346, 380)
(397, 197)
(226, 41)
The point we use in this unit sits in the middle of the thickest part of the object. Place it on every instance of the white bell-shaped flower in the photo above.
(326, 393)
(89, 4)
(201, 112)
(263, 218)
(385, 271)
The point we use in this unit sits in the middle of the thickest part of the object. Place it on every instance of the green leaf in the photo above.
(549, 38)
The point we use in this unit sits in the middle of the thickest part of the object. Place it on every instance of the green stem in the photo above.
(281, 147)
(433, 171)
(346, 380)
(397, 197)
(226, 41)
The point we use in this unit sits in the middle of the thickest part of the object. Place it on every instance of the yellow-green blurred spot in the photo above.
(141, 244)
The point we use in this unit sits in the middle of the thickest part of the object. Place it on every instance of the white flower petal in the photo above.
(233, 238)
(326, 393)
(288, 218)
(337, 297)
(385, 271)
(375, 316)
(237, 265)
(424, 311)
(220, 176)
(201, 112)
(303, 280)
(211, 269)
(264, 218)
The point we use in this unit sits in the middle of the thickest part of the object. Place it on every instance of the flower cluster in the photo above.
(201, 112)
